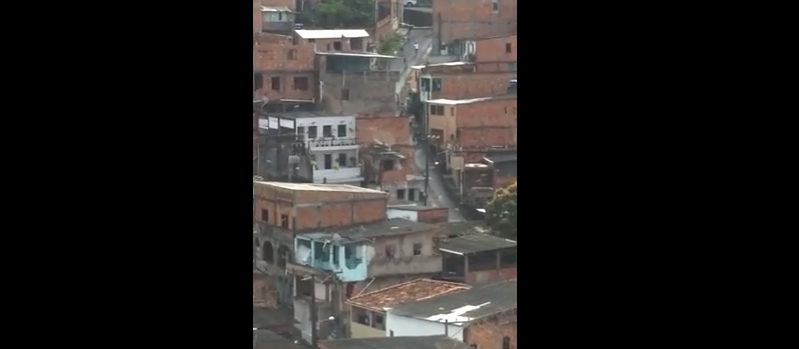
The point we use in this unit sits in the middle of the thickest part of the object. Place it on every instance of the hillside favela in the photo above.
(384, 174)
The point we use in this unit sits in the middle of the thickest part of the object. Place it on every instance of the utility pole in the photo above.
(314, 315)
(427, 156)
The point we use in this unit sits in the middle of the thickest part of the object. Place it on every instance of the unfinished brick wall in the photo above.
(490, 123)
(490, 335)
(367, 92)
(314, 209)
(384, 128)
(496, 49)
(472, 85)
(468, 19)
(264, 294)
(291, 65)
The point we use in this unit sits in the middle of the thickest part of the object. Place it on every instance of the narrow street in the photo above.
(438, 196)
(424, 38)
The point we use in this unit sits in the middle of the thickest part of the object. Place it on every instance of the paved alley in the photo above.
(438, 196)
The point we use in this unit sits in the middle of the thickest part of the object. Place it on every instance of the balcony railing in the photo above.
(332, 143)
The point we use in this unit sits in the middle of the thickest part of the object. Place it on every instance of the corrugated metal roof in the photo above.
(332, 33)
(275, 9)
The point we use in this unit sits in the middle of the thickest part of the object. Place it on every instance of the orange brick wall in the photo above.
(437, 215)
(486, 124)
(468, 19)
(472, 85)
(385, 128)
(330, 209)
(493, 50)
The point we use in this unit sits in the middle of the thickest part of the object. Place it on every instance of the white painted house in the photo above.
(452, 314)
(330, 140)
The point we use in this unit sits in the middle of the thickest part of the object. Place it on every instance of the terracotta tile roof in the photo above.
(410, 291)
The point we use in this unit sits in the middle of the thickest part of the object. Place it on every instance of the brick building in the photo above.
(470, 128)
(389, 157)
(462, 19)
(282, 210)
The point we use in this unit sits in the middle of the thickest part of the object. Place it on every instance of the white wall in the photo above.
(404, 214)
(329, 120)
(410, 327)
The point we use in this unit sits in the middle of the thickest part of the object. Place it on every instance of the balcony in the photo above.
(346, 174)
(332, 144)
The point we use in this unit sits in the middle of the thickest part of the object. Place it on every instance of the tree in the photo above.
(339, 14)
(501, 212)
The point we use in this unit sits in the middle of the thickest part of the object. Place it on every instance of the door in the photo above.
(425, 88)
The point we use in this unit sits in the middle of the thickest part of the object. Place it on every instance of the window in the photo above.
(284, 221)
(496, 6)
(337, 45)
(512, 66)
(275, 83)
(327, 131)
(505, 342)
(379, 323)
(391, 251)
(294, 40)
(508, 48)
(312, 132)
(342, 131)
(387, 165)
(436, 84)
(328, 161)
(311, 41)
(342, 160)
(451, 110)
(292, 55)
(411, 194)
(265, 216)
(401, 194)
(437, 110)
(417, 249)
(345, 94)
(301, 83)
(259, 82)
(301, 132)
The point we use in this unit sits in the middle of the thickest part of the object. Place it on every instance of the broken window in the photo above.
(336, 257)
(391, 251)
(417, 249)
(345, 94)
(258, 79)
(301, 83)
(275, 82)
(284, 221)
(327, 131)
(292, 55)
(436, 84)
(342, 131)
(352, 258)
(312, 132)
(387, 165)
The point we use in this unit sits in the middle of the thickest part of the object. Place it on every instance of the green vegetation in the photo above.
(339, 14)
(390, 45)
(501, 212)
